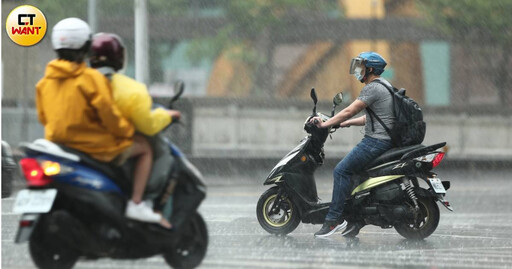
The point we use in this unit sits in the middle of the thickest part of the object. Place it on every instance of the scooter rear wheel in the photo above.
(284, 221)
(428, 220)
(47, 251)
(191, 249)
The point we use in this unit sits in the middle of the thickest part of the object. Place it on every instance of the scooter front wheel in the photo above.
(191, 249)
(282, 220)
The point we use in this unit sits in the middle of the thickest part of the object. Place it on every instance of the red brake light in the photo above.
(33, 172)
(26, 223)
(437, 160)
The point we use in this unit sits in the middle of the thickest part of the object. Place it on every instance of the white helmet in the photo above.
(70, 33)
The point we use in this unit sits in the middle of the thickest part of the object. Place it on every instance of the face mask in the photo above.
(357, 73)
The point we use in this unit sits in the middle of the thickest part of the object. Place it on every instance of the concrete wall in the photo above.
(227, 129)
(241, 133)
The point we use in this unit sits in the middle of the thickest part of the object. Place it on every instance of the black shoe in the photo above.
(331, 227)
(352, 229)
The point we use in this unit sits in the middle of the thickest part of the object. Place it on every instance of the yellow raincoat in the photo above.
(75, 105)
(134, 101)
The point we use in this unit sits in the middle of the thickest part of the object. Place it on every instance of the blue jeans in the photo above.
(356, 160)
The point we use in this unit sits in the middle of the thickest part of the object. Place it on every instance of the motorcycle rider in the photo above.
(130, 96)
(75, 105)
(366, 67)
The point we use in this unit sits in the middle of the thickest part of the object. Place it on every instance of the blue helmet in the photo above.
(369, 59)
(373, 59)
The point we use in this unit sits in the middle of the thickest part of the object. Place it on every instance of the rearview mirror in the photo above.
(313, 96)
(315, 100)
(179, 88)
(338, 99)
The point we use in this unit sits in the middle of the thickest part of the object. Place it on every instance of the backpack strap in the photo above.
(391, 90)
(372, 114)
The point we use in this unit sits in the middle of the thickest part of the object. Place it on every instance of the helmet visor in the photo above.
(355, 63)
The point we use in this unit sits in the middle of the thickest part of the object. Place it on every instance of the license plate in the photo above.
(34, 201)
(437, 185)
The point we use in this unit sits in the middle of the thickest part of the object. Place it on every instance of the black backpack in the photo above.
(409, 128)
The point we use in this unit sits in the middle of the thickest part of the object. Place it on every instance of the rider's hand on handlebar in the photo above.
(316, 121)
(175, 114)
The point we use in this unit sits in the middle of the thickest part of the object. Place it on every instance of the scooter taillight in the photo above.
(437, 159)
(26, 223)
(34, 173)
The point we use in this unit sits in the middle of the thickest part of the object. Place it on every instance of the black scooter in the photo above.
(387, 193)
(74, 207)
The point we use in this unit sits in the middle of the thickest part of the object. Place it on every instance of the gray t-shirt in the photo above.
(378, 99)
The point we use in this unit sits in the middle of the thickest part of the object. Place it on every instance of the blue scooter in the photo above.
(73, 207)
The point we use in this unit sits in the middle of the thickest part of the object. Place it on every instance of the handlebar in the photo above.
(179, 88)
(324, 118)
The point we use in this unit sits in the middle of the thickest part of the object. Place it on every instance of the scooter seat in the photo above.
(393, 154)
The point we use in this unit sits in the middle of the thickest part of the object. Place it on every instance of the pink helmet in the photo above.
(107, 50)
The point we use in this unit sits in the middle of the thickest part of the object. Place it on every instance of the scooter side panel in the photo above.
(304, 185)
(87, 178)
(373, 182)
(128, 238)
(284, 164)
(316, 215)
(158, 179)
(83, 204)
(84, 201)
(189, 193)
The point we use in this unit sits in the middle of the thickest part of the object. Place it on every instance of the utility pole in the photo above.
(141, 42)
(91, 14)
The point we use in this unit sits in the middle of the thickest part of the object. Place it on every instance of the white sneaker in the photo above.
(141, 212)
(149, 202)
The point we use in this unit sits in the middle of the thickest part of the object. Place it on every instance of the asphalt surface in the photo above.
(478, 234)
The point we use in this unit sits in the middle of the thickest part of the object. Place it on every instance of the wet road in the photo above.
(478, 234)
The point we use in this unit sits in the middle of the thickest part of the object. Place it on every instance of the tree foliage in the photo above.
(484, 22)
(469, 20)
(245, 38)
(247, 21)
